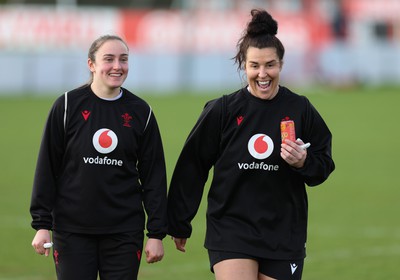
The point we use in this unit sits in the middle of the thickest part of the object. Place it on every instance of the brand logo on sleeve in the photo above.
(85, 114)
(239, 120)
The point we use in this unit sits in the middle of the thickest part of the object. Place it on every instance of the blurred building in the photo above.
(188, 44)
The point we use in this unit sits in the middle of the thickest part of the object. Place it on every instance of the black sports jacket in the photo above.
(257, 203)
(99, 168)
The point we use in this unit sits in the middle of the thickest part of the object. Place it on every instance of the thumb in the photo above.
(47, 252)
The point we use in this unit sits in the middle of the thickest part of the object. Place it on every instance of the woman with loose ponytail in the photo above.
(265, 144)
(100, 180)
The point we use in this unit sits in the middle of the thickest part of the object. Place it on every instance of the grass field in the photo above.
(354, 230)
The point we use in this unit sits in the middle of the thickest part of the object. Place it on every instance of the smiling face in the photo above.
(110, 68)
(262, 68)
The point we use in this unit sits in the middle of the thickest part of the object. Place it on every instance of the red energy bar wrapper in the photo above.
(287, 130)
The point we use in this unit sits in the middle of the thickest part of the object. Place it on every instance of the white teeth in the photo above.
(116, 75)
(264, 83)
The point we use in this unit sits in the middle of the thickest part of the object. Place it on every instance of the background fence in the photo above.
(43, 49)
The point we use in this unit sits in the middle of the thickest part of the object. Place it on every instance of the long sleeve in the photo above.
(319, 164)
(152, 172)
(48, 168)
(191, 171)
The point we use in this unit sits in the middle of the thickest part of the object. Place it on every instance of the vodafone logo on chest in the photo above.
(260, 146)
(104, 141)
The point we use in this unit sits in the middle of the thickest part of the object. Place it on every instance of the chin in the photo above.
(264, 95)
(116, 85)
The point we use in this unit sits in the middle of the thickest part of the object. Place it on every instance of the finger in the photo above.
(181, 248)
(285, 154)
(180, 244)
(294, 152)
(149, 257)
(153, 259)
(39, 250)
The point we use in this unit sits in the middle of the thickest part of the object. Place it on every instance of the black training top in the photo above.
(96, 171)
(257, 203)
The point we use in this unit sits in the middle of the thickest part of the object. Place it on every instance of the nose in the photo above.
(117, 64)
(263, 72)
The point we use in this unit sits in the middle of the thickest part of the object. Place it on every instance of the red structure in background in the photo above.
(201, 31)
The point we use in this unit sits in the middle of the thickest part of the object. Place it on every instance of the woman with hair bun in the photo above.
(257, 201)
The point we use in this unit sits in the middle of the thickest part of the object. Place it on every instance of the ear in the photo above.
(91, 65)
(281, 65)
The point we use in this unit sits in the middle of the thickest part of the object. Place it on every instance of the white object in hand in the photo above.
(305, 146)
(48, 245)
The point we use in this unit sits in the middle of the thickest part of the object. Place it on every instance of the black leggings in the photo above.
(84, 256)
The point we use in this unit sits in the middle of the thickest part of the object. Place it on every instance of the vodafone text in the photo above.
(102, 161)
(258, 165)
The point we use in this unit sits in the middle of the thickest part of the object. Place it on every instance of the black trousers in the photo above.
(86, 256)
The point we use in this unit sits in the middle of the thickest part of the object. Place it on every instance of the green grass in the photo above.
(354, 229)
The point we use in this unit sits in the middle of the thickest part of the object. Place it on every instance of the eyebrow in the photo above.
(271, 61)
(110, 54)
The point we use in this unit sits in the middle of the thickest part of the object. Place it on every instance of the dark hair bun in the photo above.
(262, 23)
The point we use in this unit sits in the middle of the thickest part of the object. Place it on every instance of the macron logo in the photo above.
(293, 267)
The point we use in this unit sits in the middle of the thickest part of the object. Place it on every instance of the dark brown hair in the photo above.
(259, 33)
